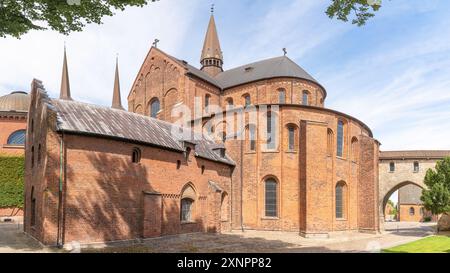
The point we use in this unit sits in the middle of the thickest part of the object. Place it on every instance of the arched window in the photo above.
(247, 100)
(17, 138)
(136, 155)
(340, 199)
(271, 202)
(281, 96)
(305, 98)
(229, 101)
(154, 108)
(292, 136)
(411, 211)
(355, 149)
(33, 208)
(340, 139)
(188, 198)
(224, 208)
(330, 138)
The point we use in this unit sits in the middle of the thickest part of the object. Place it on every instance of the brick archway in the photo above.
(387, 189)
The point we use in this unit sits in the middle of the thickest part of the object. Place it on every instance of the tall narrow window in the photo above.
(186, 209)
(412, 211)
(281, 96)
(340, 139)
(247, 100)
(39, 154)
(136, 155)
(207, 101)
(154, 108)
(188, 197)
(305, 98)
(416, 167)
(270, 131)
(340, 200)
(355, 149)
(32, 156)
(252, 138)
(33, 208)
(291, 138)
(271, 198)
(391, 167)
(330, 138)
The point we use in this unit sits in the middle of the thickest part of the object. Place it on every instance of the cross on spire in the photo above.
(284, 51)
(212, 8)
(155, 43)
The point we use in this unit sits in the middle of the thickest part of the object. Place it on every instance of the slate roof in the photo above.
(82, 118)
(261, 70)
(265, 69)
(414, 154)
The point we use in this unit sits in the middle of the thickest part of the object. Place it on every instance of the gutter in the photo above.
(59, 238)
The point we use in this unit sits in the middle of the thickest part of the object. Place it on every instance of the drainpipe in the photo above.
(242, 185)
(59, 239)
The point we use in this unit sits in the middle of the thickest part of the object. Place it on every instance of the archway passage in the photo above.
(390, 206)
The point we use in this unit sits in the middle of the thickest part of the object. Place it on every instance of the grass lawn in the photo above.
(432, 244)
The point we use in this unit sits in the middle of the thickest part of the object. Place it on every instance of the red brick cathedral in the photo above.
(199, 150)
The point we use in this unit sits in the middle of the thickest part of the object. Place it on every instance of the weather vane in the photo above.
(155, 43)
(212, 8)
(284, 51)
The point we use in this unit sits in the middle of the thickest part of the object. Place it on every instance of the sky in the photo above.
(393, 73)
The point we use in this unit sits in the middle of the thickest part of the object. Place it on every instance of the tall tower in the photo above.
(212, 58)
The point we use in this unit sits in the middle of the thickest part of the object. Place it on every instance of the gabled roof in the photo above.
(88, 119)
(415, 154)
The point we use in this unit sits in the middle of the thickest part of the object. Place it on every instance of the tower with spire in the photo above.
(212, 58)
(65, 84)
(116, 102)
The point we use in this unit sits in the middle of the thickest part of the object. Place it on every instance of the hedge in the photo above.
(12, 169)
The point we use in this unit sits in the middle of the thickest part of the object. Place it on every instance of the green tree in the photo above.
(18, 17)
(361, 10)
(436, 198)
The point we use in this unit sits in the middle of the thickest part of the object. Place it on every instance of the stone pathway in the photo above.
(12, 239)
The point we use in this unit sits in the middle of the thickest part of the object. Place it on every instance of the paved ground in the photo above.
(13, 240)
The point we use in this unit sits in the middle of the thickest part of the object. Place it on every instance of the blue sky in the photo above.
(393, 73)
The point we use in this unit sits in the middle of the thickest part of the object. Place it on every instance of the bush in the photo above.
(427, 219)
(12, 169)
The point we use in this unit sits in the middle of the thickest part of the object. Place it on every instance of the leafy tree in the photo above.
(18, 17)
(362, 10)
(436, 197)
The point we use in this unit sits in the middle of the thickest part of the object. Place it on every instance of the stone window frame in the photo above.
(188, 196)
(295, 144)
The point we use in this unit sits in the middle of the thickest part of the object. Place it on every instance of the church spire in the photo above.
(65, 85)
(116, 102)
(212, 58)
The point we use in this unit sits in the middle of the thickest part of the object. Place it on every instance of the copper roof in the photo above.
(415, 154)
(17, 101)
(88, 119)
(211, 46)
